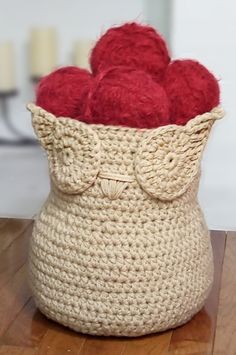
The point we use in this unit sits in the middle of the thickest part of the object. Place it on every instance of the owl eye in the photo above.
(168, 158)
(73, 150)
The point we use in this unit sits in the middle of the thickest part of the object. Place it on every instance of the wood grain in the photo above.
(28, 328)
(103, 346)
(10, 229)
(13, 350)
(14, 248)
(156, 344)
(60, 341)
(197, 336)
(3, 222)
(13, 297)
(225, 341)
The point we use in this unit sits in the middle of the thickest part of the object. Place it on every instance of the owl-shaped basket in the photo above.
(121, 247)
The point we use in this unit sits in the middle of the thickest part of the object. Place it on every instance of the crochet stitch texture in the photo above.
(121, 247)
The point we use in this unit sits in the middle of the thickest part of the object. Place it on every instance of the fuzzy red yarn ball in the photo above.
(64, 91)
(191, 89)
(133, 45)
(127, 97)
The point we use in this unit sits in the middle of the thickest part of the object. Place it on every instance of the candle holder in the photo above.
(20, 139)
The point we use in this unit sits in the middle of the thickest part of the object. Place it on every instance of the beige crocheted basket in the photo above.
(121, 247)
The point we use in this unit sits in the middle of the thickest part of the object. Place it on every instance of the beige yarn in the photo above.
(121, 246)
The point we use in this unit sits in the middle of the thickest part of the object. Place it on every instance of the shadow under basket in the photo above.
(121, 246)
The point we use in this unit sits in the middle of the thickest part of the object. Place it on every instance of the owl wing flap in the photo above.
(168, 158)
(72, 147)
(43, 124)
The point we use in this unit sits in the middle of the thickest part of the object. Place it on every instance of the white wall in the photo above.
(206, 30)
(158, 14)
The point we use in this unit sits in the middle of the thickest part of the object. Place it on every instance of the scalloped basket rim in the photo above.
(216, 111)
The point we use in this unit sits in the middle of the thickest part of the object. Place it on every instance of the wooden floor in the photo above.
(25, 331)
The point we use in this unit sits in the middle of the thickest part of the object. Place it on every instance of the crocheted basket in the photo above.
(121, 247)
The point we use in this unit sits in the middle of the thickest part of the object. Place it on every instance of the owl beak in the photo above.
(112, 189)
(112, 184)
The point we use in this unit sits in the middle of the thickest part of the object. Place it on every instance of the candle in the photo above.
(7, 68)
(82, 51)
(43, 51)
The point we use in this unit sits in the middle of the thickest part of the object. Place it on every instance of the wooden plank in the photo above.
(155, 344)
(10, 229)
(225, 340)
(3, 222)
(103, 346)
(60, 341)
(12, 350)
(197, 336)
(14, 256)
(28, 328)
(13, 297)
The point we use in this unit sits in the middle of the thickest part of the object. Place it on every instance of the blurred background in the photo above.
(66, 30)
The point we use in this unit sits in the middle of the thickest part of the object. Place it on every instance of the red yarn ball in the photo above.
(191, 89)
(64, 91)
(133, 45)
(127, 97)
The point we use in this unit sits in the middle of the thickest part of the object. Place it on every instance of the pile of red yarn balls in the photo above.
(133, 83)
